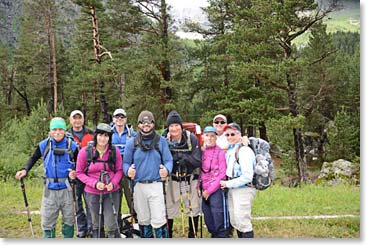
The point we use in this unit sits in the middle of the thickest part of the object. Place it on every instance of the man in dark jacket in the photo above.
(82, 136)
(182, 184)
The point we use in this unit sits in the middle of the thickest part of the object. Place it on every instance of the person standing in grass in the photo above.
(82, 136)
(58, 153)
(148, 162)
(213, 170)
(101, 177)
(239, 174)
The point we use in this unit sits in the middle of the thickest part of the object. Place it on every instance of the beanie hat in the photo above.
(145, 116)
(173, 117)
(57, 122)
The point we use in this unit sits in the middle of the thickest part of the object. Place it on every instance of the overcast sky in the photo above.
(186, 3)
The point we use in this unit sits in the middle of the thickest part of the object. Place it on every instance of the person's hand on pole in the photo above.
(163, 172)
(20, 174)
(131, 172)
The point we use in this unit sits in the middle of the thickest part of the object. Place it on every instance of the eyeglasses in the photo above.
(220, 122)
(231, 134)
(146, 122)
(119, 116)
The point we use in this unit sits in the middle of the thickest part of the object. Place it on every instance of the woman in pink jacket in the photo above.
(101, 171)
(213, 170)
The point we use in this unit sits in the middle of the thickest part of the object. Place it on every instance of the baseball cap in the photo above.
(209, 129)
(233, 126)
(220, 116)
(119, 111)
(75, 112)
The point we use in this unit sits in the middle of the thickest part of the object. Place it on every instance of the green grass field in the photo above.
(276, 201)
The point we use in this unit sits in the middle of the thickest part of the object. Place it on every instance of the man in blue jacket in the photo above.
(148, 161)
(58, 153)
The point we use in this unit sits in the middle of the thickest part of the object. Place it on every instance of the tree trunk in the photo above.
(52, 61)
(263, 133)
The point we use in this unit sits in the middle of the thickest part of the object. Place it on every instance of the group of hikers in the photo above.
(86, 174)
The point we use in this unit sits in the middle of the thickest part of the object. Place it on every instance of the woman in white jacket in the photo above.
(239, 176)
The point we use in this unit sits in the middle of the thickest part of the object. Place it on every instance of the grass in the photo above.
(275, 201)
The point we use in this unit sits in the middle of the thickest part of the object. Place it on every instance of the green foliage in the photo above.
(20, 138)
(344, 136)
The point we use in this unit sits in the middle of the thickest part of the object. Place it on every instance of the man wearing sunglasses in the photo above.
(121, 133)
(219, 122)
(148, 162)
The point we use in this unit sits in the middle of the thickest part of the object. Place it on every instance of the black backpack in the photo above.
(111, 161)
(264, 167)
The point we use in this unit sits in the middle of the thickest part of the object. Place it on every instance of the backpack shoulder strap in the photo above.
(89, 150)
(48, 147)
(112, 158)
(236, 153)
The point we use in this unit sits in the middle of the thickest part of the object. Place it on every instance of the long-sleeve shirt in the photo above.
(147, 163)
(213, 168)
(243, 171)
(119, 140)
(94, 170)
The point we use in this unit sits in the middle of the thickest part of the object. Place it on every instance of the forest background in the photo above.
(287, 71)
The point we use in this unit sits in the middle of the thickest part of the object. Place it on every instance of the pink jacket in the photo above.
(213, 168)
(95, 168)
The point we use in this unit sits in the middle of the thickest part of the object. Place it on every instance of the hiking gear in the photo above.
(181, 205)
(127, 228)
(173, 117)
(193, 226)
(225, 212)
(146, 116)
(146, 231)
(210, 129)
(76, 112)
(103, 128)
(113, 206)
(233, 126)
(57, 122)
(60, 154)
(194, 223)
(26, 205)
(49, 233)
(75, 206)
(100, 206)
(220, 116)
(165, 204)
(264, 168)
(67, 231)
(119, 111)
(111, 161)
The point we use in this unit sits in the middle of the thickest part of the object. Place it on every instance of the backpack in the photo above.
(59, 151)
(264, 167)
(111, 161)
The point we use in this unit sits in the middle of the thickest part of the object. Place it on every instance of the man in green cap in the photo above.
(58, 153)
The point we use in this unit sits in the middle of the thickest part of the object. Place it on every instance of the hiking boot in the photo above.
(49, 233)
(146, 231)
(161, 232)
(67, 231)
(170, 228)
(249, 234)
(191, 233)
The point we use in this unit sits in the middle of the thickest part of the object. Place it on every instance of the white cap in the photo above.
(220, 116)
(119, 111)
(73, 113)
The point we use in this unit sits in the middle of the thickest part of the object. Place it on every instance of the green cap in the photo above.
(57, 122)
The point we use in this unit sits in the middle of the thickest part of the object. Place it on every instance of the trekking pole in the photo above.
(178, 173)
(26, 205)
(132, 213)
(113, 205)
(75, 206)
(225, 214)
(201, 209)
(188, 190)
(100, 205)
(165, 199)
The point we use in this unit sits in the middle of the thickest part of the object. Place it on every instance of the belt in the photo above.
(147, 181)
(56, 180)
(230, 178)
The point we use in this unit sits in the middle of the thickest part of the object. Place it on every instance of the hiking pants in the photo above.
(125, 191)
(173, 197)
(84, 218)
(149, 204)
(107, 211)
(52, 202)
(214, 214)
(239, 206)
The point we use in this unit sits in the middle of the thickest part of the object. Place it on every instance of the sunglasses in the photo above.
(146, 122)
(231, 134)
(120, 116)
(221, 122)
